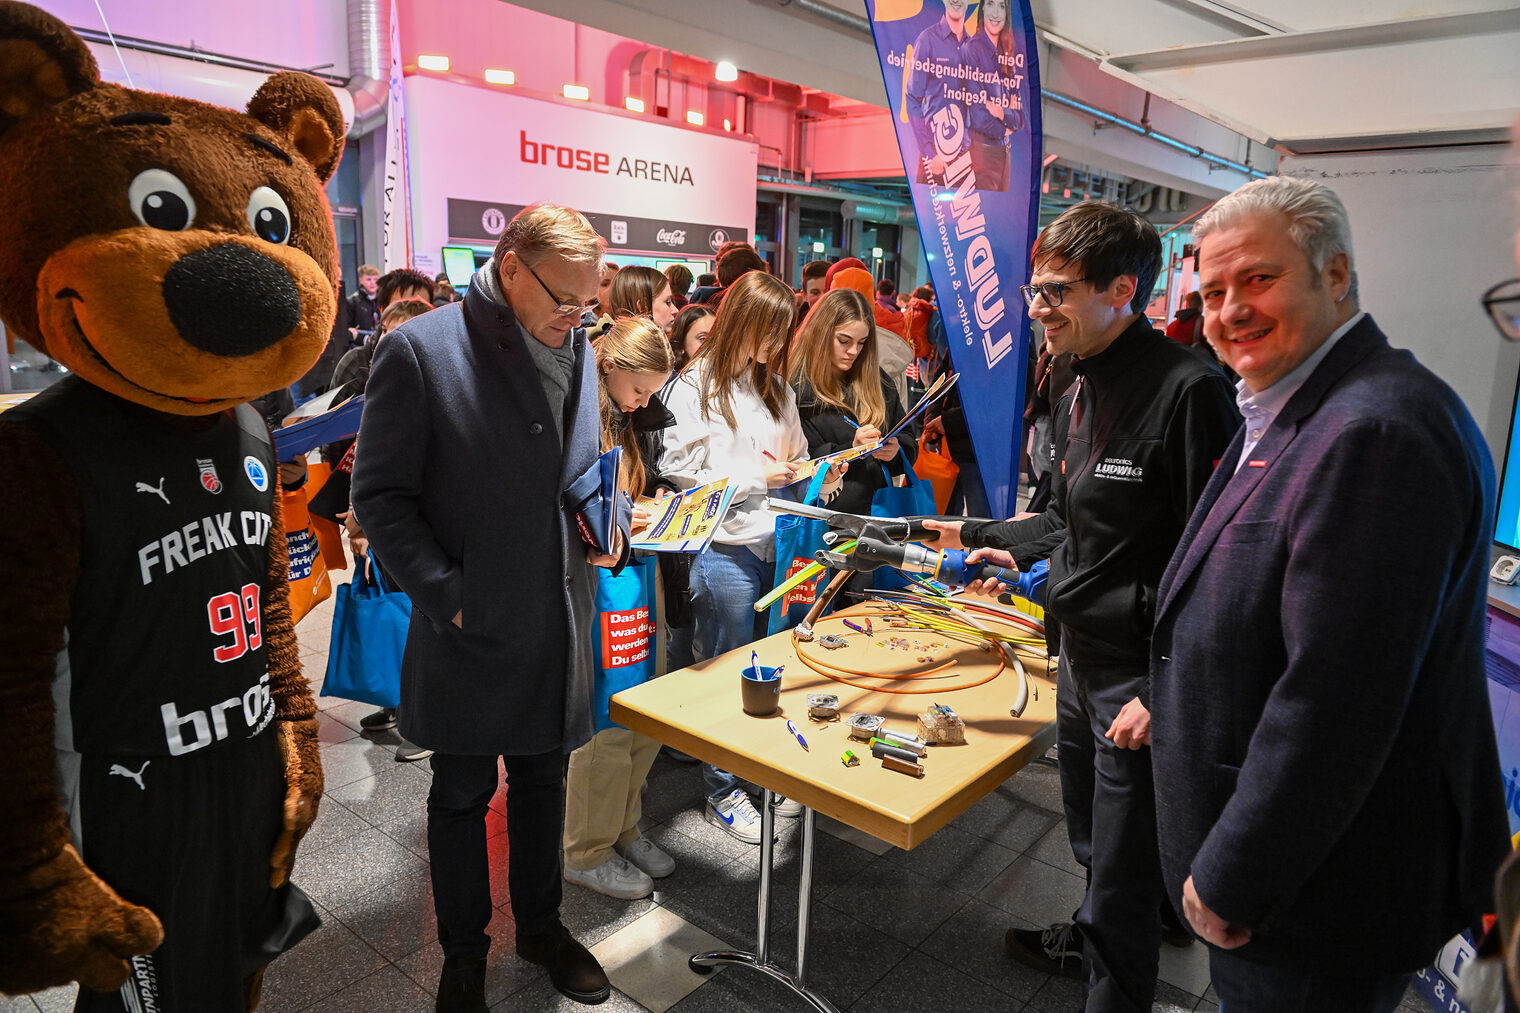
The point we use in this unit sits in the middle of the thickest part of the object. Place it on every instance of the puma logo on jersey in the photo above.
(118, 769)
(155, 490)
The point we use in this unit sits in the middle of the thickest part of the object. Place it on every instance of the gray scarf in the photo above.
(556, 366)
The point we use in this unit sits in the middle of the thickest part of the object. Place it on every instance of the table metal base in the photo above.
(760, 960)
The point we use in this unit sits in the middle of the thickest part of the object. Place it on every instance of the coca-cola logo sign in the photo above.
(671, 237)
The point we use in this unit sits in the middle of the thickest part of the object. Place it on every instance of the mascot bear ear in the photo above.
(42, 62)
(302, 110)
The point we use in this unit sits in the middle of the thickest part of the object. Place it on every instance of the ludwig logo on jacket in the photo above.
(1120, 469)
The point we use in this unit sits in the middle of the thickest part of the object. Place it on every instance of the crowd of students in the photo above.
(741, 392)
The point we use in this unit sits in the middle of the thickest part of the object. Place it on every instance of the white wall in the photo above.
(1433, 228)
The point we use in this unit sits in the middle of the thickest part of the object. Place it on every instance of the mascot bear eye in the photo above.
(269, 216)
(161, 201)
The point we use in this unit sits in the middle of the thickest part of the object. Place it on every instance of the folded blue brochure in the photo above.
(291, 441)
(597, 502)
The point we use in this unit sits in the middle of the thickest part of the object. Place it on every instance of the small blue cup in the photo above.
(761, 696)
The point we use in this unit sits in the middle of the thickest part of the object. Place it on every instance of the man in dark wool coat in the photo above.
(478, 416)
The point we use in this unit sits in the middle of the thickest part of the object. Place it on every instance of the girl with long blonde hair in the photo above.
(604, 848)
(844, 399)
(736, 418)
(633, 361)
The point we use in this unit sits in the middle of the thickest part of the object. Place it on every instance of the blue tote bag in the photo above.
(623, 637)
(797, 538)
(915, 498)
(368, 638)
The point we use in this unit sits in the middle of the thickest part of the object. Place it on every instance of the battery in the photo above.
(902, 766)
(880, 749)
(909, 742)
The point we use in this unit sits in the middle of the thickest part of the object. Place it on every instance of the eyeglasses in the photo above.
(564, 309)
(1503, 305)
(1053, 291)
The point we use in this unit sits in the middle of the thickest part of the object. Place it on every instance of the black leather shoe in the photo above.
(572, 968)
(1056, 950)
(462, 986)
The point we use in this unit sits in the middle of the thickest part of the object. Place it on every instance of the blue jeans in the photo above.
(1247, 987)
(725, 582)
(678, 649)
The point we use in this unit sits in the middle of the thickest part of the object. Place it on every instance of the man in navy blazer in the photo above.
(1328, 788)
(478, 416)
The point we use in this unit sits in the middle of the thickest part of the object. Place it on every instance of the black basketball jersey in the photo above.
(165, 650)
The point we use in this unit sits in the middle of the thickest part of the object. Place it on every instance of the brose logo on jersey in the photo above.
(200, 728)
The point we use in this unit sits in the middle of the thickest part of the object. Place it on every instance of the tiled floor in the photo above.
(890, 929)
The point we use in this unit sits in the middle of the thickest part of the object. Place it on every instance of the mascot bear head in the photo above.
(176, 254)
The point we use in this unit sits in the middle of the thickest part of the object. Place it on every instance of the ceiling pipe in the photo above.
(1171, 142)
(773, 184)
(843, 19)
(369, 63)
(874, 211)
(190, 53)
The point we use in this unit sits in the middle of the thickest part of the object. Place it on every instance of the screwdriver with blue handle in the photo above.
(883, 541)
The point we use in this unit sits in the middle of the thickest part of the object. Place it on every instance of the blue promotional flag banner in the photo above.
(963, 86)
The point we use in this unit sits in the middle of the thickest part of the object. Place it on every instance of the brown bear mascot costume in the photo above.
(161, 750)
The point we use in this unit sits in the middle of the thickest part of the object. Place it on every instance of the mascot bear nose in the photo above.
(230, 300)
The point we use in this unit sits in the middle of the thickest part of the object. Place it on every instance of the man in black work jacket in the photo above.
(1135, 440)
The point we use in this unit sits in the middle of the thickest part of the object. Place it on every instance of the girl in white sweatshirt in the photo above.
(736, 417)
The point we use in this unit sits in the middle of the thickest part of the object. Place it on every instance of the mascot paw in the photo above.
(67, 925)
(303, 791)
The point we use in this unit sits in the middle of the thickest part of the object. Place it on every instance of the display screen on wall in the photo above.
(459, 265)
(696, 267)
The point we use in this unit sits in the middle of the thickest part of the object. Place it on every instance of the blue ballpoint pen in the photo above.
(754, 663)
(793, 729)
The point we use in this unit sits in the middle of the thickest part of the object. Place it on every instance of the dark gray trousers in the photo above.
(1110, 802)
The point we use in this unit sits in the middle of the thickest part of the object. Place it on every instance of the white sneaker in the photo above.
(736, 814)
(780, 804)
(783, 806)
(615, 877)
(646, 856)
